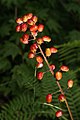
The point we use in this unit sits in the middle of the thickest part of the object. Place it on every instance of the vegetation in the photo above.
(21, 94)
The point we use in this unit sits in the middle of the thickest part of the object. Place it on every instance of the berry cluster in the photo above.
(30, 28)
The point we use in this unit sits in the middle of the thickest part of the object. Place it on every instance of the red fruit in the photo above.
(49, 98)
(61, 98)
(48, 52)
(39, 65)
(40, 27)
(53, 50)
(70, 83)
(35, 45)
(33, 28)
(40, 75)
(25, 38)
(32, 48)
(52, 66)
(30, 22)
(18, 28)
(59, 113)
(25, 18)
(58, 75)
(24, 27)
(34, 18)
(64, 68)
(46, 38)
(29, 16)
(19, 20)
(39, 41)
(39, 59)
(34, 33)
(31, 55)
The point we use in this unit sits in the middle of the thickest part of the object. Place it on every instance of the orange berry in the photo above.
(31, 55)
(39, 59)
(19, 20)
(53, 50)
(25, 18)
(40, 75)
(70, 83)
(61, 98)
(46, 38)
(40, 27)
(34, 18)
(52, 66)
(24, 27)
(30, 22)
(29, 16)
(39, 65)
(33, 28)
(49, 98)
(64, 68)
(59, 113)
(48, 52)
(39, 41)
(18, 28)
(58, 75)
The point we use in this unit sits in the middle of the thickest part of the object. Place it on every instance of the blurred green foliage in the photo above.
(21, 94)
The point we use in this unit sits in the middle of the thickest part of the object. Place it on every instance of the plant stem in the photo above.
(61, 90)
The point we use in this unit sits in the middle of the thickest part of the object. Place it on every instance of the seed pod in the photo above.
(40, 27)
(31, 55)
(64, 68)
(52, 66)
(40, 75)
(58, 75)
(46, 38)
(19, 20)
(18, 28)
(39, 65)
(61, 98)
(53, 50)
(24, 27)
(49, 98)
(48, 52)
(33, 28)
(39, 59)
(70, 83)
(39, 41)
(59, 113)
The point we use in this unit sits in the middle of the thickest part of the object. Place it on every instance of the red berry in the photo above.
(70, 83)
(19, 20)
(52, 66)
(53, 50)
(33, 28)
(39, 41)
(24, 40)
(64, 68)
(59, 113)
(29, 16)
(40, 75)
(25, 18)
(39, 65)
(40, 27)
(39, 59)
(34, 33)
(18, 28)
(58, 75)
(61, 98)
(48, 52)
(24, 27)
(33, 47)
(49, 98)
(31, 55)
(46, 38)
(30, 22)
(34, 18)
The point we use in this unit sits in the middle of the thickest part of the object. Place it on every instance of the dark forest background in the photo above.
(21, 94)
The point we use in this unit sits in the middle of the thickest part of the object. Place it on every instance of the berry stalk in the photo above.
(61, 90)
